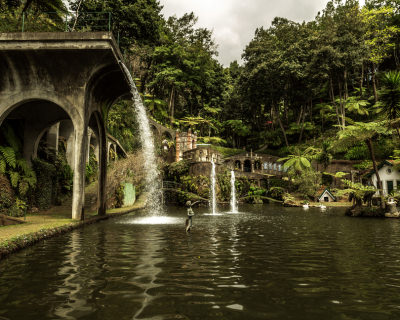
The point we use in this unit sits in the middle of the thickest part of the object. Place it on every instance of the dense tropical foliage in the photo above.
(300, 84)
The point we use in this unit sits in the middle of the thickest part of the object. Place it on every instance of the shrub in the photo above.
(276, 193)
(307, 183)
(176, 170)
(6, 194)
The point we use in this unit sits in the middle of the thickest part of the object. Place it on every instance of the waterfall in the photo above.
(234, 208)
(153, 187)
(213, 197)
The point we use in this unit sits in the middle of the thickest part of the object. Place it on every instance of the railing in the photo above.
(54, 21)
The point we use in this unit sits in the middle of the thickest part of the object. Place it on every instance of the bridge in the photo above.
(51, 77)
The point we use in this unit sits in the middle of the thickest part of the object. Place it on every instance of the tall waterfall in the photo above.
(152, 175)
(234, 208)
(213, 196)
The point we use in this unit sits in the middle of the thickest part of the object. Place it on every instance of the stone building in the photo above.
(253, 163)
(200, 159)
(184, 141)
(389, 175)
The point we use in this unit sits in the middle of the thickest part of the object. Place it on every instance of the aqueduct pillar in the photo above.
(49, 77)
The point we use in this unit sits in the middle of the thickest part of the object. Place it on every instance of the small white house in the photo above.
(389, 175)
(326, 196)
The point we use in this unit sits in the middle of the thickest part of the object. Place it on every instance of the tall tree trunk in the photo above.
(302, 128)
(362, 78)
(300, 115)
(331, 92)
(342, 105)
(171, 105)
(76, 16)
(281, 124)
(374, 82)
(27, 5)
(346, 90)
(378, 178)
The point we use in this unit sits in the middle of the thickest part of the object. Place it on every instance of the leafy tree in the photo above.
(365, 132)
(381, 37)
(134, 22)
(184, 71)
(390, 97)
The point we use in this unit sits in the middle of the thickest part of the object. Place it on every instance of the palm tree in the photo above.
(390, 97)
(298, 160)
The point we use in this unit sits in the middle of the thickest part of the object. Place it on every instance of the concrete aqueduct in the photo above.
(65, 80)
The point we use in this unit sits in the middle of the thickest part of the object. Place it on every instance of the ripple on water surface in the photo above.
(267, 263)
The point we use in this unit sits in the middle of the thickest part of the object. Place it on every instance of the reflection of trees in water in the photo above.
(85, 273)
(72, 286)
(146, 271)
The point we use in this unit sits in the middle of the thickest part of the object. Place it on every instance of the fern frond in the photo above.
(9, 156)
(23, 188)
(3, 164)
(14, 178)
(24, 166)
(31, 180)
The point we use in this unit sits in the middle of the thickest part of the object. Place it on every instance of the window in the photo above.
(326, 199)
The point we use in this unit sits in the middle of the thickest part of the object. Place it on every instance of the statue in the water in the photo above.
(190, 214)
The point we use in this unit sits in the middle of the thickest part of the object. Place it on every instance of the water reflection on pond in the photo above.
(267, 263)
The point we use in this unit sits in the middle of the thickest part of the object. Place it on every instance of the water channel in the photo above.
(266, 262)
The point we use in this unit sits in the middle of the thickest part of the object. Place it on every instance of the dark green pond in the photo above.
(267, 263)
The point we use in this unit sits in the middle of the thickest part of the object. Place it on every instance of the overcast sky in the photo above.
(234, 21)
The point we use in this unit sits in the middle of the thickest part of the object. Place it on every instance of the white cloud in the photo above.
(234, 21)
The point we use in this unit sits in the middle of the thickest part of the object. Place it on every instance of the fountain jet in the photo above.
(213, 197)
(234, 208)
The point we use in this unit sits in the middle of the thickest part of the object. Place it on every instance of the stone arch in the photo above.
(257, 165)
(154, 131)
(247, 165)
(167, 135)
(16, 101)
(238, 165)
(38, 115)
